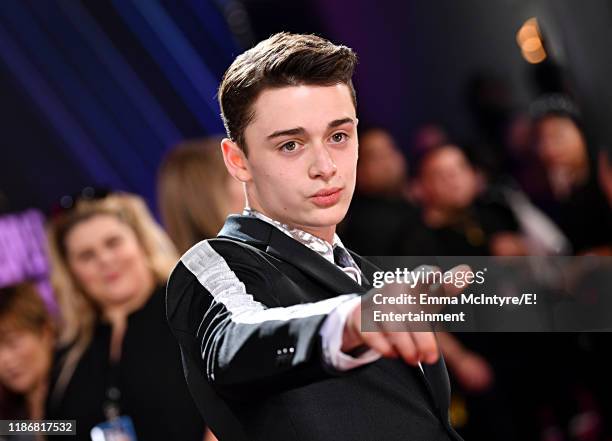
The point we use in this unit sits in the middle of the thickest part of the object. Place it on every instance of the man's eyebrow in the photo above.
(288, 132)
(300, 130)
(339, 122)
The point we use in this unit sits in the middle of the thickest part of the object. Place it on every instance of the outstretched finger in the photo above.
(405, 347)
(426, 346)
(380, 343)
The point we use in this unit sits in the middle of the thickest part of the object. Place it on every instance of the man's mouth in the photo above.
(327, 197)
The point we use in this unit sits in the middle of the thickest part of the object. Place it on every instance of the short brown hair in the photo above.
(282, 60)
(22, 308)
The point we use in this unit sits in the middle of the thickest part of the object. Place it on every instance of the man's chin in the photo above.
(327, 217)
(314, 217)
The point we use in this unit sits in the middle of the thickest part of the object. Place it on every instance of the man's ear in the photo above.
(235, 160)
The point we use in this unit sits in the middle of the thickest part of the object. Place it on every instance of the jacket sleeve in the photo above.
(227, 298)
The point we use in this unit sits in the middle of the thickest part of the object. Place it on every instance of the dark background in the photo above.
(95, 92)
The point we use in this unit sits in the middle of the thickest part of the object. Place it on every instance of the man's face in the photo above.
(302, 155)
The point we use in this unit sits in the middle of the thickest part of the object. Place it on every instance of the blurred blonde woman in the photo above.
(195, 192)
(27, 338)
(110, 261)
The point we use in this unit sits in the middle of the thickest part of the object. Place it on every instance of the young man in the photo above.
(268, 314)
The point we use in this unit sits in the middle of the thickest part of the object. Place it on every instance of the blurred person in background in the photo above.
(195, 192)
(580, 205)
(578, 403)
(110, 261)
(466, 219)
(524, 165)
(541, 235)
(428, 136)
(27, 339)
(381, 220)
(527, 191)
(381, 165)
(463, 221)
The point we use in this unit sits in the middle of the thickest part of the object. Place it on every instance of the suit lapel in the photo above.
(438, 383)
(276, 243)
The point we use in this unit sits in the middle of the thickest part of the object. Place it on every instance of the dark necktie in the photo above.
(342, 257)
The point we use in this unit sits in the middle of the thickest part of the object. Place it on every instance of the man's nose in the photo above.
(323, 165)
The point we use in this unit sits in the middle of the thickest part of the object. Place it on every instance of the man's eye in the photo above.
(289, 146)
(339, 137)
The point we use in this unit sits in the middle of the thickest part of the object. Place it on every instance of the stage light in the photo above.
(529, 39)
(535, 57)
(527, 31)
(531, 45)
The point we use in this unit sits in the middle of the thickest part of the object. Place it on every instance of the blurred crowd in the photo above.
(538, 186)
(544, 189)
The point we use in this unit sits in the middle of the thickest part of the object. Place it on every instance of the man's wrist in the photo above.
(351, 337)
(333, 331)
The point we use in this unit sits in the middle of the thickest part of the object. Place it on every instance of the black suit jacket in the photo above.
(247, 309)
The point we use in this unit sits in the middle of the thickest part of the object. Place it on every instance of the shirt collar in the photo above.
(316, 244)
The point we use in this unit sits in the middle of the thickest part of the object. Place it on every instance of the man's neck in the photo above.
(325, 233)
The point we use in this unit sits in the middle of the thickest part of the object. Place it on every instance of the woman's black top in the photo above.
(149, 376)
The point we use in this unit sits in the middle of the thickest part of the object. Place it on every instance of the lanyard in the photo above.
(111, 406)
